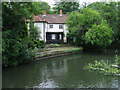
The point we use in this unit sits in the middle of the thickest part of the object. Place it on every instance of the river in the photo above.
(61, 72)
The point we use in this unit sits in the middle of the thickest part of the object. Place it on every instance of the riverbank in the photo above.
(55, 51)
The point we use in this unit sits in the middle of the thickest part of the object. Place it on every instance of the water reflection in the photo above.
(61, 72)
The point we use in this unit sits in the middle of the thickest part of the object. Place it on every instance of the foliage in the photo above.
(105, 67)
(97, 5)
(17, 46)
(99, 35)
(36, 43)
(42, 43)
(54, 45)
(39, 44)
(67, 7)
(85, 27)
(117, 60)
(15, 52)
(34, 33)
(44, 6)
(79, 23)
(109, 12)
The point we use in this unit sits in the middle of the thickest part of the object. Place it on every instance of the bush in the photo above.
(39, 43)
(16, 51)
(31, 44)
(117, 60)
(42, 43)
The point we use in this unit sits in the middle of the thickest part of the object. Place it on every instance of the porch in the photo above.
(54, 37)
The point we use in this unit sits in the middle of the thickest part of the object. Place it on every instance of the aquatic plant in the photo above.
(105, 67)
(117, 60)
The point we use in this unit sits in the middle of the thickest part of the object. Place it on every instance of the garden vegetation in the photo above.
(96, 25)
(17, 42)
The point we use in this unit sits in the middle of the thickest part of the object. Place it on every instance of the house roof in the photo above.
(36, 19)
(51, 18)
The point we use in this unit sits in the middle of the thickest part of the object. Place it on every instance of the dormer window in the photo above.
(51, 26)
(60, 26)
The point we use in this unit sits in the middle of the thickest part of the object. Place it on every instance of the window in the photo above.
(60, 26)
(53, 36)
(60, 36)
(51, 26)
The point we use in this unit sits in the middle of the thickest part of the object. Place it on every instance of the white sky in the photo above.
(52, 2)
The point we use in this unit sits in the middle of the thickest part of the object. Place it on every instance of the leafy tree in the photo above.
(99, 35)
(67, 7)
(97, 6)
(79, 23)
(16, 47)
(109, 12)
(45, 6)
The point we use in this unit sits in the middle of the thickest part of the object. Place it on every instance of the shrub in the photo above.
(16, 51)
(39, 43)
(117, 60)
(42, 43)
(54, 45)
(31, 44)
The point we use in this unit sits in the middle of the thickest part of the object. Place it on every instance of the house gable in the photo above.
(52, 26)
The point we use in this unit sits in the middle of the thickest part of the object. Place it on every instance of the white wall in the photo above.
(55, 28)
(65, 33)
(46, 27)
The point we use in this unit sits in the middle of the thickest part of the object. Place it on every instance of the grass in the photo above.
(54, 45)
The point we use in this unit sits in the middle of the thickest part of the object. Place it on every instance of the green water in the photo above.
(60, 72)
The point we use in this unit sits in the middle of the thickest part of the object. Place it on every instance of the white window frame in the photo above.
(61, 25)
(50, 26)
(60, 36)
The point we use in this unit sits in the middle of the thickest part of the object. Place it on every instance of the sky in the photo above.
(52, 2)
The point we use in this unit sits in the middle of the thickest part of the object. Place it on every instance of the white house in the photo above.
(52, 27)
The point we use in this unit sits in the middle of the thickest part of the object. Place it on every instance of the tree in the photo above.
(45, 6)
(99, 35)
(15, 40)
(79, 23)
(109, 12)
(97, 6)
(67, 7)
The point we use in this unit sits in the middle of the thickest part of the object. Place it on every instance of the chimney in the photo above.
(60, 12)
(44, 13)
